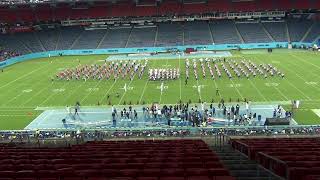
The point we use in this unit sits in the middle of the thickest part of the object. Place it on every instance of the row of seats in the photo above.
(290, 158)
(164, 34)
(169, 160)
(128, 8)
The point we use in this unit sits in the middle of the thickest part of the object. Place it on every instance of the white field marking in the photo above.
(316, 111)
(166, 65)
(272, 84)
(144, 89)
(72, 92)
(26, 75)
(58, 90)
(164, 87)
(39, 92)
(258, 90)
(109, 90)
(53, 93)
(296, 86)
(201, 86)
(237, 89)
(35, 95)
(312, 83)
(27, 90)
(305, 61)
(275, 87)
(128, 88)
(92, 89)
(235, 85)
(87, 95)
(42, 119)
(15, 115)
(12, 99)
(299, 90)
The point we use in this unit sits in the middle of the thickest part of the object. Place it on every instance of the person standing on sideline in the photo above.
(217, 92)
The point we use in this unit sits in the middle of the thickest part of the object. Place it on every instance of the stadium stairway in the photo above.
(238, 165)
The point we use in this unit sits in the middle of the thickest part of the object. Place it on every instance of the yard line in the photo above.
(144, 89)
(109, 90)
(301, 76)
(199, 92)
(126, 91)
(21, 77)
(285, 97)
(163, 82)
(296, 57)
(299, 90)
(90, 91)
(237, 89)
(258, 90)
(294, 85)
(52, 94)
(21, 93)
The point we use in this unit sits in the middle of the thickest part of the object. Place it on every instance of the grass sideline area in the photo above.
(27, 85)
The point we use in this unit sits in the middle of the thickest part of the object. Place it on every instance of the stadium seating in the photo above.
(142, 36)
(197, 33)
(49, 38)
(67, 36)
(252, 33)
(161, 34)
(11, 42)
(169, 34)
(95, 37)
(297, 29)
(116, 38)
(163, 160)
(277, 30)
(30, 40)
(291, 158)
(224, 32)
(313, 34)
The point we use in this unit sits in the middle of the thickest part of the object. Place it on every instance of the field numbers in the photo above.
(27, 90)
(201, 86)
(92, 89)
(58, 90)
(272, 84)
(164, 87)
(234, 85)
(312, 83)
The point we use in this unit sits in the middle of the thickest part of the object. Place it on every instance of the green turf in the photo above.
(28, 85)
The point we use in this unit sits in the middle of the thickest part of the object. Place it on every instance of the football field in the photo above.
(27, 86)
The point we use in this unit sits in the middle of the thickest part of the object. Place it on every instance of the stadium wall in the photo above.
(22, 58)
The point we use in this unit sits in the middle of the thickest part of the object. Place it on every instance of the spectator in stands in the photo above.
(6, 54)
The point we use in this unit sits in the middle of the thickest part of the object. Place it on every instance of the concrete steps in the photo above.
(240, 166)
